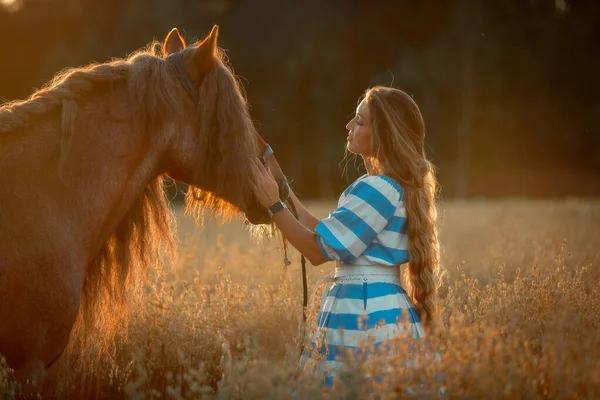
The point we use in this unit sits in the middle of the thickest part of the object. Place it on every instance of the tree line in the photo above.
(508, 88)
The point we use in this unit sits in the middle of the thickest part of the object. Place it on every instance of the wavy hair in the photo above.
(398, 151)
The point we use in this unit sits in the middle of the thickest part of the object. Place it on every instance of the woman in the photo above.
(385, 218)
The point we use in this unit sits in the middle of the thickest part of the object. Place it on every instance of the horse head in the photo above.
(213, 145)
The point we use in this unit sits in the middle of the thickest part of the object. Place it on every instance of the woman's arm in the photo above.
(304, 216)
(301, 237)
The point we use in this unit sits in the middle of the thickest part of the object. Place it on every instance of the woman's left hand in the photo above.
(265, 187)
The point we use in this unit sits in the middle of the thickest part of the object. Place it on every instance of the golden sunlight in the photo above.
(11, 5)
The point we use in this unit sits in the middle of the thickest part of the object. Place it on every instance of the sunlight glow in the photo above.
(11, 5)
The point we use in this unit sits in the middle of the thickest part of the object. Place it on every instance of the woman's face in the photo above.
(359, 131)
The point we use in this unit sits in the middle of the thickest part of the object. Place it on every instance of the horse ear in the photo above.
(204, 54)
(210, 42)
(173, 43)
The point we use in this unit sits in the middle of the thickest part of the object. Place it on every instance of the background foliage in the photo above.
(509, 88)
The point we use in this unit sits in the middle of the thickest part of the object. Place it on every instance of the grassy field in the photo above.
(520, 303)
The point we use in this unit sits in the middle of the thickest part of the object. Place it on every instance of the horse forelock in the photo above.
(225, 127)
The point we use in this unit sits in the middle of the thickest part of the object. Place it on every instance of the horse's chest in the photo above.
(41, 282)
(39, 302)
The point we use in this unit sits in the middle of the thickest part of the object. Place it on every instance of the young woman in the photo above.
(384, 219)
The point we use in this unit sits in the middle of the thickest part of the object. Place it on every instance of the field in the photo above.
(520, 302)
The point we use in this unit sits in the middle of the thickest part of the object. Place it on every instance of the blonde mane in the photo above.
(146, 234)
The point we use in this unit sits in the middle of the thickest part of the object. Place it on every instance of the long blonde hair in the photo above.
(398, 151)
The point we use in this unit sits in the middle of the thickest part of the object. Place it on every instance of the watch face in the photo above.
(275, 208)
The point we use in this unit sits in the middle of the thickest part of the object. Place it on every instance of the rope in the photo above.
(287, 262)
(303, 262)
(268, 152)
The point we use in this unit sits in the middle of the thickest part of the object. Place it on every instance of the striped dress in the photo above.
(366, 236)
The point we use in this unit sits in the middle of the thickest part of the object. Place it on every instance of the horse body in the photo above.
(64, 226)
(82, 207)
(37, 249)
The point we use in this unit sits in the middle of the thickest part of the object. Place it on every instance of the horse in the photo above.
(83, 206)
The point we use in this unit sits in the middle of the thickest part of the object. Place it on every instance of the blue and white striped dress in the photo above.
(364, 299)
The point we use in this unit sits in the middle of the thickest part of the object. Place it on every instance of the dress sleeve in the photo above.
(363, 214)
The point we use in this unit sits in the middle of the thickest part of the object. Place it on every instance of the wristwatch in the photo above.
(276, 208)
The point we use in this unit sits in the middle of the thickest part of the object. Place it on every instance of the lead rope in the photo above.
(268, 152)
(303, 262)
(286, 262)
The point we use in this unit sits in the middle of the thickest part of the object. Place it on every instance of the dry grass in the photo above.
(520, 303)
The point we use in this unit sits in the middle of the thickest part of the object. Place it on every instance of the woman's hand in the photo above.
(265, 187)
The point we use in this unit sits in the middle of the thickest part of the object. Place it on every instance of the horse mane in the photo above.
(226, 125)
(147, 233)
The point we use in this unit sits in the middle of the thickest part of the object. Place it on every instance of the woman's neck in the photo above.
(370, 166)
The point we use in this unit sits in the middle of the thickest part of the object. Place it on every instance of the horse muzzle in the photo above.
(257, 215)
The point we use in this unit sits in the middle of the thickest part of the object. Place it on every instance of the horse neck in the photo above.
(111, 161)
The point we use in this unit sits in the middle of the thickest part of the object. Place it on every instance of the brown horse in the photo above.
(83, 211)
